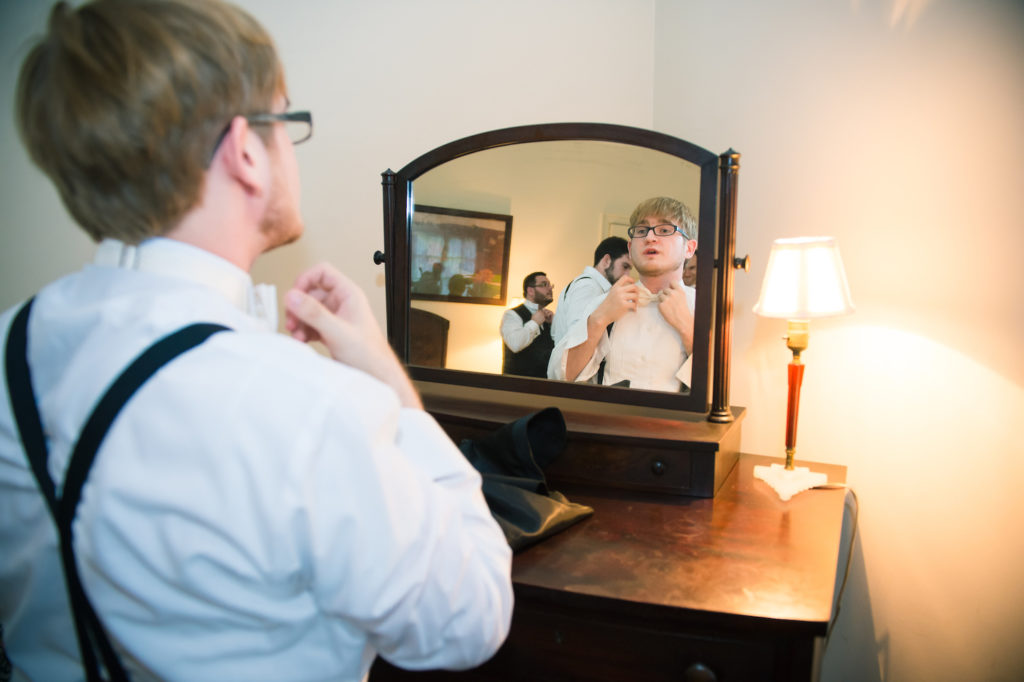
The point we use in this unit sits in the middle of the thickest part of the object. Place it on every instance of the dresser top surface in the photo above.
(742, 554)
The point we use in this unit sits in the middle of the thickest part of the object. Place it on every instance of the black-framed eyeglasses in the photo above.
(299, 124)
(664, 230)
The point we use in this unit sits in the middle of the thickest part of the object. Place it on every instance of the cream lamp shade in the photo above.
(804, 279)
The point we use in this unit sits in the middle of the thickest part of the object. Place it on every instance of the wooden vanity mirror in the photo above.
(540, 198)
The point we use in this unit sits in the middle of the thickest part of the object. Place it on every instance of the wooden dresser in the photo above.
(738, 586)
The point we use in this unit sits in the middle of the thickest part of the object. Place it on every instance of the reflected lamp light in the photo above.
(804, 279)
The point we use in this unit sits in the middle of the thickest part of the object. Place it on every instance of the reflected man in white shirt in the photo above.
(639, 334)
(611, 263)
(526, 330)
(257, 510)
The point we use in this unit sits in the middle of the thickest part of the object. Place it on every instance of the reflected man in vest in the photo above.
(526, 330)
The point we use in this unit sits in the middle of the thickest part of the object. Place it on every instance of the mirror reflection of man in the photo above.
(256, 508)
(526, 330)
(690, 271)
(611, 263)
(640, 333)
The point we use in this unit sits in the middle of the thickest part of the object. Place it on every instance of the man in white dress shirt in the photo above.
(639, 334)
(526, 330)
(611, 263)
(257, 511)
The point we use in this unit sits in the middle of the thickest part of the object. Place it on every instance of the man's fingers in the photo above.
(323, 278)
(311, 313)
(624, 281)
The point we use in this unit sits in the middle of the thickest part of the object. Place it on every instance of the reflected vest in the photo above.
(531, 361)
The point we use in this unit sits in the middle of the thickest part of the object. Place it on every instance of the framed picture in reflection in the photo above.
(459, 255)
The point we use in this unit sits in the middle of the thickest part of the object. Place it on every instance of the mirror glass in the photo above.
(555, 200)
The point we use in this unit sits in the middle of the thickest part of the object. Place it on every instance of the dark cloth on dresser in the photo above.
(512, 460)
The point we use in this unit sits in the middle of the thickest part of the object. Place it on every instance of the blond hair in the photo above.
(670, 209)
(122, 102)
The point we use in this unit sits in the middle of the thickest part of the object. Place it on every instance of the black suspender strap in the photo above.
(23, 403)
(88, 628)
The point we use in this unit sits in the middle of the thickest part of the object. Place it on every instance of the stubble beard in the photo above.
(281, 224)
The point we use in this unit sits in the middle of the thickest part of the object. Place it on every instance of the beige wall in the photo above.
(386, 80)
(903, 138)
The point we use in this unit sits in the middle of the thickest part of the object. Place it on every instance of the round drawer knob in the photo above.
(698, 672)
(658, 467)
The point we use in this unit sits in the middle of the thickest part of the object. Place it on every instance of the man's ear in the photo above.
(602, 265)
(691, 248)
(245, 157)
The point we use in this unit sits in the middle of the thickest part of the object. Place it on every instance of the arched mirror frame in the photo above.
(712, 334)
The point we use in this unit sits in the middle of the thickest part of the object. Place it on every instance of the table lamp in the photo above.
(804, 279)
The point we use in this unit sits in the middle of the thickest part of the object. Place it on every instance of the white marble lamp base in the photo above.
(789, 482)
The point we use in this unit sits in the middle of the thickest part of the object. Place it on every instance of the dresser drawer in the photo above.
(554, 647)
(548, 647)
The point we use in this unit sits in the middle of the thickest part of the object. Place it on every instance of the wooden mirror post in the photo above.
(729, 168)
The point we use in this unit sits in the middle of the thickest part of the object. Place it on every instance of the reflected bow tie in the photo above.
(644, 296)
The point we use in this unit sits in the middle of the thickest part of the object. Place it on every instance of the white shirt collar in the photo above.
(597, 276)
(531, 306)
(172, 258)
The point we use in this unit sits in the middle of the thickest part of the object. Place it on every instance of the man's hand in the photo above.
(541, 316)
(676, 310)
(326, 306)
(621, 298)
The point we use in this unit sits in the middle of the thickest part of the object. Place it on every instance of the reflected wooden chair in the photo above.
(428, 338)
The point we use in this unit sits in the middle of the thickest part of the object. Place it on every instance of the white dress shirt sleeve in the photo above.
(516, 334)
(576, 335)
(573, 304)
(432, 566)
(685, 373)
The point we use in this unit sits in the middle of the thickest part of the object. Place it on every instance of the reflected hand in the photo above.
(675, 308)
(621, 298)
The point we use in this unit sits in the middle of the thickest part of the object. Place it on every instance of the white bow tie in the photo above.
(645, 297)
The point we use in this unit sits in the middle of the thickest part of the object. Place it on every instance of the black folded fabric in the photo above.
(511, 461)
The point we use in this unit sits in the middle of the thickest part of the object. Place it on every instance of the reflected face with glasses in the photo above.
(540, 291)
(659, 247)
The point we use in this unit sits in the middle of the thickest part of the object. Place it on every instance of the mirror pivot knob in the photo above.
(378, 257)
(742, 263)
